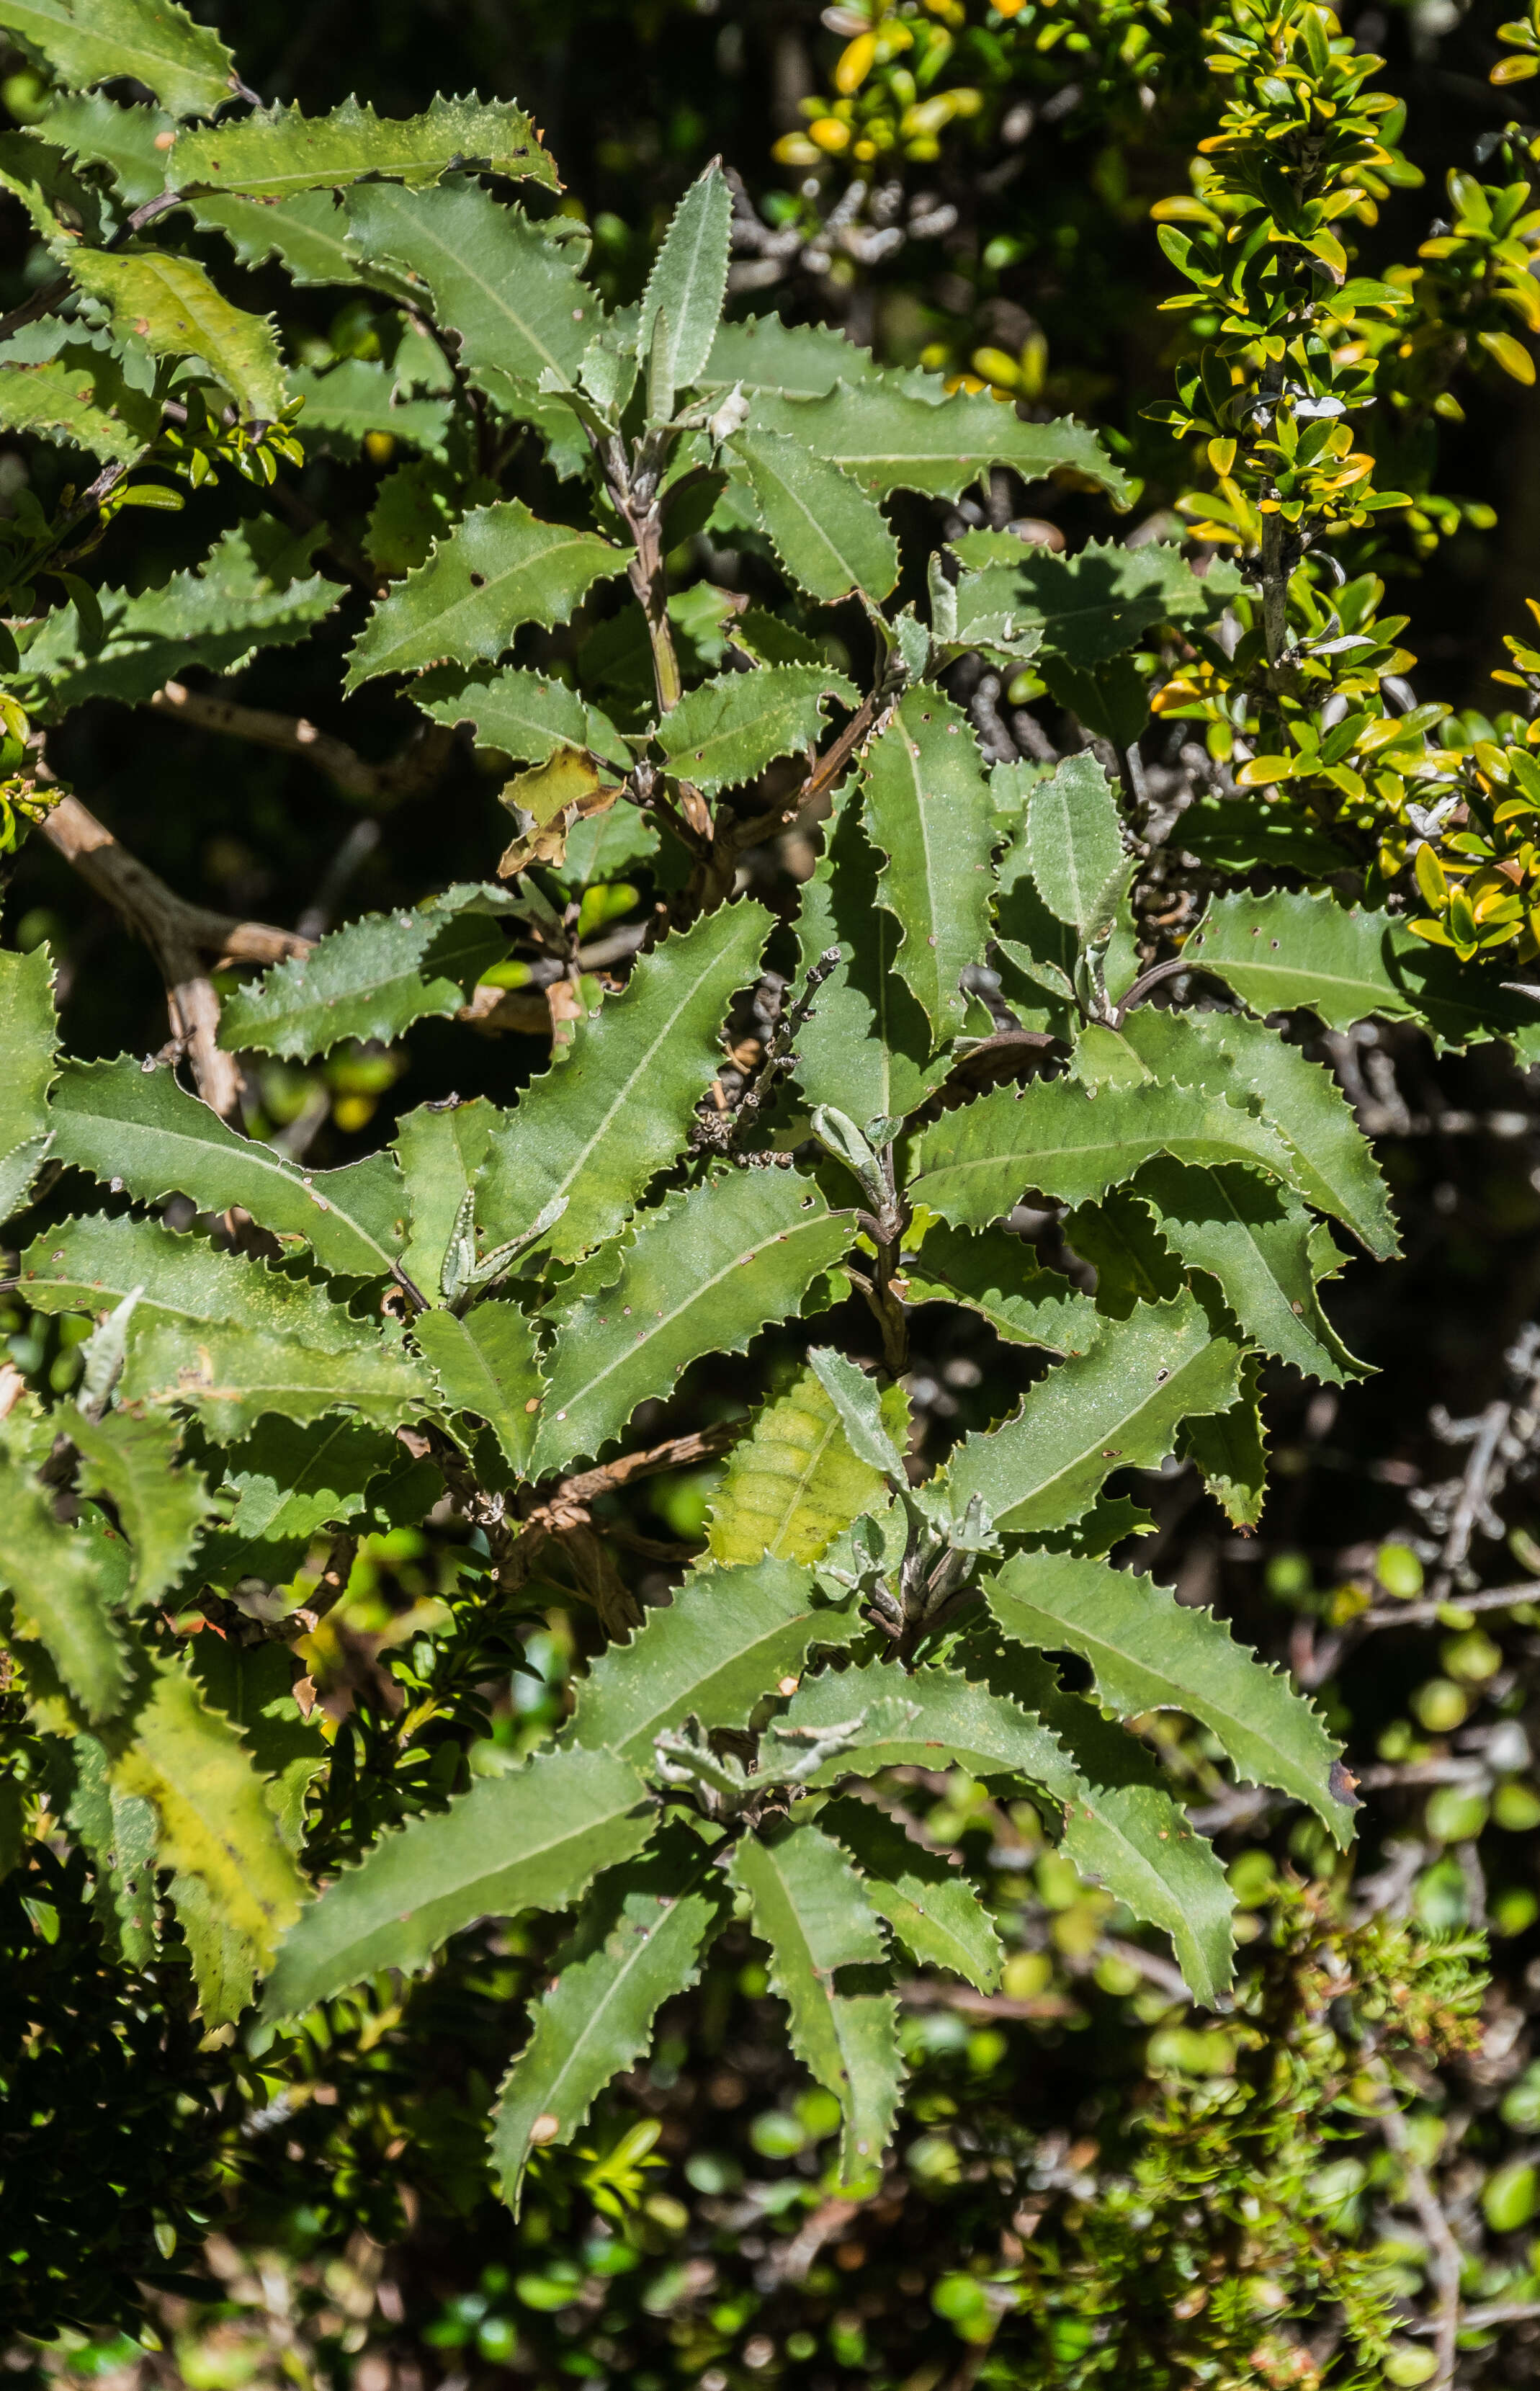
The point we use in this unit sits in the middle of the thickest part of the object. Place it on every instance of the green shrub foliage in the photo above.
(687, 578)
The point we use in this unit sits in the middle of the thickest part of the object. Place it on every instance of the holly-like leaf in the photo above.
(487, 1363)
(182, 1280)
(141, 1130)
(999, 1275)
(864, 1047)
(596, 1128)
(929, 1903)
(217, 615)
(1117, 1406)
(310, 233)
(64, 1585)
(727, 731)
(1150, 1652)
(1229, 1451)
(807, 1904)
(856, 1398)
(794, 1482)
(1334, 1164)
(252, 1685)
(763, 355)
(702, 1275)
(1074, 840)
(977, 1163)
(1122, 1827)
(501, 566)
(1255, 1239)
(523, 716)
(1097, 602)
(372, 978)
(80, 395)
(169, 303)
(492, 277)
(118, 1831)
(1288, 949)
(685, 290)
(151, 42)
(637, 1941)
(291, 1479)
(276, 152)
(28, 1032)
(161, 1502)
(191, 1763)
(96, 131)
(888, 437)
(928, 1718)
(535, 1838)
(231, 1377)
(726, 1641)
(441, 1150)
(926, 807)
(830, 536)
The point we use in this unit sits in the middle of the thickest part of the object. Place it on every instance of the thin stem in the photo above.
(405, 775)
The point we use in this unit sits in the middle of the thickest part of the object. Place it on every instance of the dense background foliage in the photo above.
(1094, 2178)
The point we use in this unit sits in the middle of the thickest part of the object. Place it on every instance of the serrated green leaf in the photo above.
(724, 1642)
(1149, 1651)
(1229, 1451)
(91, 128)
(499, 567)
(217, 615)
(1288, 949)
(487, 1363)
(162, 1503)
(926, 807)
(856, 1398)
(372, 978)
(596, 1128)
(807, 1904)
(493, 276)
(886, 437)
(191, 1762)
(28, 1033)
(354, 398)
(169, 303)
(80, 395)
(291, 1479)
(727, 731)
(231, 1375)
(64, 1585)
(1122, 1827)
(139, 1129)
(1074, 841)
(830, 536)
(276, 152)
(1334, 1162)
(151, 42)
(91, 1264)
(793, 1482)
(929, 1903)
(637, 1941)
(225, 1962)
(977, 1163)
(1099, 602)
(441, 1152)
(788, 360)
(1117, 1406)
(535, 1838)
(118, 1830)
(1254, 1239)
(864, 1047)
(926, 1718)
(998, 1274)
(525, 716)
(686, 287)
(703, 1274)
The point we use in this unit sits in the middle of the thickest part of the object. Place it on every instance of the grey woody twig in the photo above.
(406, 775)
